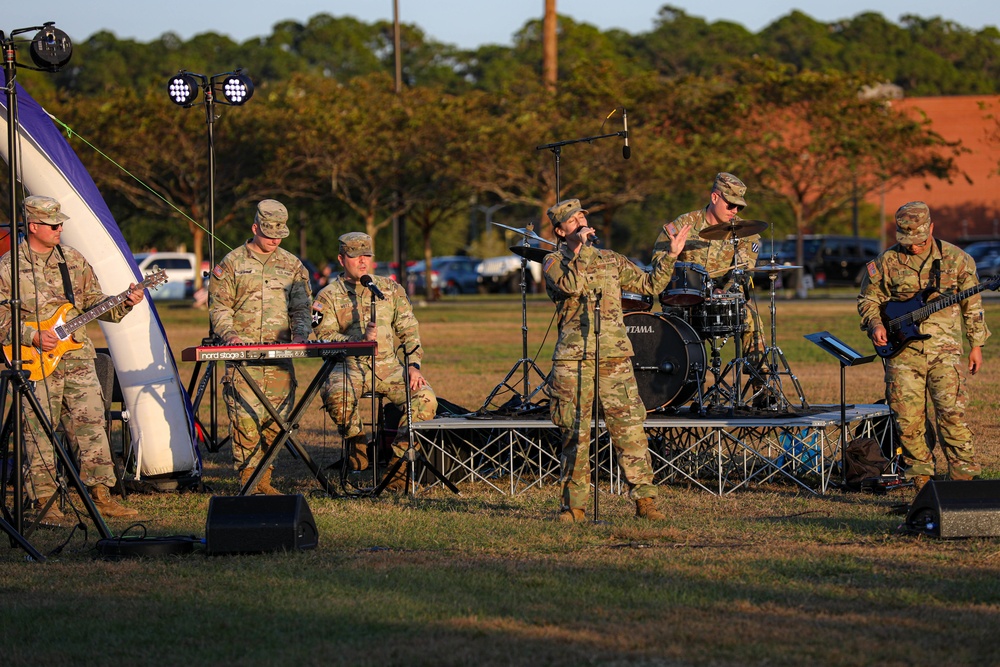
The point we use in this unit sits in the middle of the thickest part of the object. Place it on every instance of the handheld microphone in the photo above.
(626, 151)
(367, 281)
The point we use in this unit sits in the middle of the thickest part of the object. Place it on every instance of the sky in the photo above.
(464, 23)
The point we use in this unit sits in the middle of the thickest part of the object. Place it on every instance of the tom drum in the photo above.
(636, 303)
(688, 286)
(669, 361)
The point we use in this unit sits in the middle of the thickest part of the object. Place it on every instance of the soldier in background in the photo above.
(342, 312)
(260, 295)
(726, 200)
(927, 367)
(576, 274)
(49, 273)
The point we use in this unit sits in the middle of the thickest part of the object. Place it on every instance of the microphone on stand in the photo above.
(366, 280)
(626, 151)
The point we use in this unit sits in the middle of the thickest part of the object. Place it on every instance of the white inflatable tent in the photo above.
(161, 424)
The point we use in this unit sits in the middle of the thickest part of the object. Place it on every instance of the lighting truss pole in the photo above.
(231, 89)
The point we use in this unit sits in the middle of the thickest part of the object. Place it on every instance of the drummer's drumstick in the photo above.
(723, 271)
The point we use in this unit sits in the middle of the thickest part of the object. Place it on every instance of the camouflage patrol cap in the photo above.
(731, 188)
(356, 244)
(272, 219)
(45, 210)
(565, 210)
(913, 223)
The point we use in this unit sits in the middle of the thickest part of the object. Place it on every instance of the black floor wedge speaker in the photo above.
(255, 524)
(957, 509)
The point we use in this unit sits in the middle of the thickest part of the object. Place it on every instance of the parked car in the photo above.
(829, 259)
(987, 256)
(503, 274)
(180, 270)
(449, 275)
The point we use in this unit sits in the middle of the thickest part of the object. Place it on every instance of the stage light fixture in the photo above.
(237, 88)
(51, 48)
(183, 89)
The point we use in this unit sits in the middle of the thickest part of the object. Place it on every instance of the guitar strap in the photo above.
(67, 283)
(936, 269)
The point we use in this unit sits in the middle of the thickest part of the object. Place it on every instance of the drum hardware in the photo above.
(521, 401)
(771, 395)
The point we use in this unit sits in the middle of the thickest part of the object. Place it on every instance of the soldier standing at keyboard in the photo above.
(259, 294)
(342, 312)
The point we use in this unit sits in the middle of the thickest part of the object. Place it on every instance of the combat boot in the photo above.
(263, 484)
(107, 505)
(401, 478)
(920, 481)
(53, 516)
(645, 508)
(572, 515)
(358, 458)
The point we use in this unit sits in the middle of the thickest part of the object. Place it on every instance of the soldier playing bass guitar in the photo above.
(925, 362)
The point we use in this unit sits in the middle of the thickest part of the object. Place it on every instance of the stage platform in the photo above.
(717, 454)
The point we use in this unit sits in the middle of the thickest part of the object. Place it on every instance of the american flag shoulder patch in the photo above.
(670, 228)
(217, 271)
(872, 269)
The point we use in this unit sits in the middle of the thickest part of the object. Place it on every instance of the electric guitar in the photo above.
(40, 364)
(901, 318)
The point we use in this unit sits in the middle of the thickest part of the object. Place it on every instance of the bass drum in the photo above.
(669, 361)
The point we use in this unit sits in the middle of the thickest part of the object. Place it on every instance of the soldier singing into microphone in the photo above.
(576, 276)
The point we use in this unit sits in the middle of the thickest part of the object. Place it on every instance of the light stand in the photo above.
(235, 89)
(50, 50)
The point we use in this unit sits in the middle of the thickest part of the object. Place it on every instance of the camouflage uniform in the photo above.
(262, 299)
(72, 393)
(716, 256)
(341, 312)
(572, 281)
(928, 367)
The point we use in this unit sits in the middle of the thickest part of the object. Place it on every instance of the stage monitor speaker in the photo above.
(254, 524)
(957, 509)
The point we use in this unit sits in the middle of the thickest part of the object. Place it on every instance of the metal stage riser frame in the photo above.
(512, 457)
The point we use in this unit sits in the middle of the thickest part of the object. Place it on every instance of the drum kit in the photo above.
(671, 363)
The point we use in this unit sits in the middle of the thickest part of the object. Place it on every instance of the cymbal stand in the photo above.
(773, 356)
(521, 402)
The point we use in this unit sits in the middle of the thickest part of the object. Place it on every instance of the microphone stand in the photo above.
(412, 454)
(376, 429)
(556, 148)
(596, 430)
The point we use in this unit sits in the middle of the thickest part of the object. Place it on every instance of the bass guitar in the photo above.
(901, 319)
(40, 364)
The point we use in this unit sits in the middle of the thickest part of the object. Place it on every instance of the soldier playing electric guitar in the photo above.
(926, 363)
(50, 276)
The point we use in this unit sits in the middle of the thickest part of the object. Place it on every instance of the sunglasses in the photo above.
(55, 226)
(731, 207)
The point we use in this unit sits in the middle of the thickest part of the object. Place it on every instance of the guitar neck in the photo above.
(921, 314)
(103, 307)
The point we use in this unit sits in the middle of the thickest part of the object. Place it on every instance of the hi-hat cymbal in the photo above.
(773, 268)
(524, 231)
(738, 229)
(529, 253)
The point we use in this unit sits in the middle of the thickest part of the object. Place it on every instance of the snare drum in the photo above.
(689, 285)
(719, 316)
(636, 303)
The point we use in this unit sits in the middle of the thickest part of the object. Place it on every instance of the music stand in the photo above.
(847, 356)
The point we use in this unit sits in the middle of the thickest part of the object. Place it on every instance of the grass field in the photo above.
(767, 576)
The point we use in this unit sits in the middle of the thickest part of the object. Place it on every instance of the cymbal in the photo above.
(773, 268)
(529, 253)
(736, 229)
(524, 231)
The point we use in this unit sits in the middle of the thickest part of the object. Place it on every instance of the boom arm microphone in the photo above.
(367, 281)
(626, 151)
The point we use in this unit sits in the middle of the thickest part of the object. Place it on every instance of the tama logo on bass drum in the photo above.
(640, 329)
